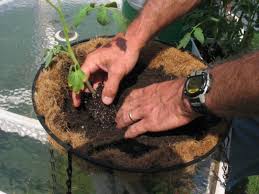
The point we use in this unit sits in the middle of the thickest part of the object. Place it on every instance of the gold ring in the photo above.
(130, 117)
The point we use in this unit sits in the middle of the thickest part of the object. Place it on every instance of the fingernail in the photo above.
(107, 100)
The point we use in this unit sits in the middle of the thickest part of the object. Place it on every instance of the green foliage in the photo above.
(50, 53)
(48, 58)
(253, 185)
(102, 15)
(83, 12)
(223, 24)
(111, 5)
(120, 20)
(255, 41)
(185, 40)
(198, 34)
(76, 79)
(247, 185)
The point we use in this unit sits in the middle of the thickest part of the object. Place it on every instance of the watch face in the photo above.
(195, 85)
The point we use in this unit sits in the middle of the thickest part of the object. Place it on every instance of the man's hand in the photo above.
(110, 63)
(158, 107)
(118, 58)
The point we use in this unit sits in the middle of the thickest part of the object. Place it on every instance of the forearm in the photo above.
(235, 87)
(155, 15)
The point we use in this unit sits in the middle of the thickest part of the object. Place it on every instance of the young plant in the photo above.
(230, 27)
(103, 13)
(76, 77)
(50, 53)
(196, 33)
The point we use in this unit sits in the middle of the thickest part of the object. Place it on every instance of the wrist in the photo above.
(135, 36)
(186, 105)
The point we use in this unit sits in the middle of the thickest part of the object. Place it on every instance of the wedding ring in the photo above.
(130, 117)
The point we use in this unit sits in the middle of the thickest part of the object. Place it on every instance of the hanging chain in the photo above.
(53, 170)
(69, 172)
(226, 164)
(225, 160)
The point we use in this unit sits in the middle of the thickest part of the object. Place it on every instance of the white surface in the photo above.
(219, 188)
(24, 126)
(136, 4)
(58, 37)
(3, 2)
(195, 50)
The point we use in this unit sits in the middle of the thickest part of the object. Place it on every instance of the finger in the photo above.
(76, 99)
(98, 77)
(90, 64)
(89, 67)
(111, 87)
(130, 104)
(137, 129)
(128, 117)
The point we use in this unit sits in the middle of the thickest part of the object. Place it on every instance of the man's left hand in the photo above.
(158, 107)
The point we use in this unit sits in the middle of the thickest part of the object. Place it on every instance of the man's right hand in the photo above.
(109, 64)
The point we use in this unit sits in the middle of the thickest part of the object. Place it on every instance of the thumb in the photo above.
(111, 87)
(76, 99)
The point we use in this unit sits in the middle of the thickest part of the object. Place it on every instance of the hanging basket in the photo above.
(89, 135)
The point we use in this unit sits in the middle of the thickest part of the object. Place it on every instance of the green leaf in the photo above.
(214, 19)
(56, 49)
(198, 34)
(48, 58)
(76, 78)
(119, 19)
(103, 16)
(184, 41)
(50, 53)
(112, 4)
(83, 12)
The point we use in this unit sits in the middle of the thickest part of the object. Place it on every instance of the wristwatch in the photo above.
(197, 85)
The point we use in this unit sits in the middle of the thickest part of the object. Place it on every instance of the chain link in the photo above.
(53, 170)
(226, 164)
(69, 172)
(225, 160)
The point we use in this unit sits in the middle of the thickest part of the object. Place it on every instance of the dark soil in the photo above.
(98, 119)
(91, 128)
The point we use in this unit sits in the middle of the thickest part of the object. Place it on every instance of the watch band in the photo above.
(198, 107)
(198, 102)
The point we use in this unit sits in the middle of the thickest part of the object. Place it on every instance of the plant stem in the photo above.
(69, 48)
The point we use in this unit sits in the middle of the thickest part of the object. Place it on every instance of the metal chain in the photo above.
(69, 172)
(226, 164)
(53, 170)
(225, 160)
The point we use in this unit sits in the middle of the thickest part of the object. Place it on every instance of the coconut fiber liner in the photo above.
(92, 134)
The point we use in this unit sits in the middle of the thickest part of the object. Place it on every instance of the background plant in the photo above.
(104, 13)
(228, 24)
